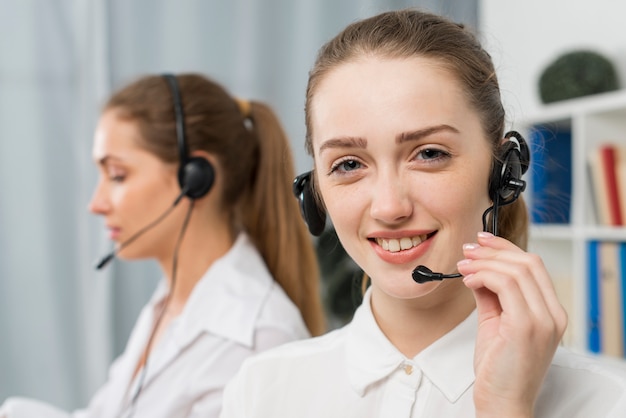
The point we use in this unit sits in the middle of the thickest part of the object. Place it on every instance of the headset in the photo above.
(505, 184)
(195, 177)
(195, 174)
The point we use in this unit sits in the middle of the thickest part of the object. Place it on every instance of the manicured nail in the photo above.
(470, 246)
(463, 262)
(484, 234)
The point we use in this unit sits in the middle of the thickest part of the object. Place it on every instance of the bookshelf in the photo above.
(562, 239)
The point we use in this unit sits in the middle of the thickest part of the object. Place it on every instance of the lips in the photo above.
(114, 232)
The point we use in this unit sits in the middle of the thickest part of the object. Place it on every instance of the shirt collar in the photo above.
(448, 362)
(228, 299)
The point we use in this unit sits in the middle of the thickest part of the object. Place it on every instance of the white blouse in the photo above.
(357, 372)
(234, 311)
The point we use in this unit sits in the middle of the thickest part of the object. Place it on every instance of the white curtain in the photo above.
(61, 322)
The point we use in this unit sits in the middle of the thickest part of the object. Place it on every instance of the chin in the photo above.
(132, 255)
(407, 288)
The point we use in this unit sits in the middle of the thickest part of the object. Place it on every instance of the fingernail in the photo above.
(484, 234)
(463, 262)
(467, 278)
(470, 246)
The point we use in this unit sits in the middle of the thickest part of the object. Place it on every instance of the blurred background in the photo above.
(61, 322)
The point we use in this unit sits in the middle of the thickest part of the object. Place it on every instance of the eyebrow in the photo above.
(422, 133)
(358, 142)
(104, 160)
(344, 142)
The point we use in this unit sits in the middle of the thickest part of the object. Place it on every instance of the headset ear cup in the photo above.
(524, 151)
(505, 183)
(313, 214)
(196, 177)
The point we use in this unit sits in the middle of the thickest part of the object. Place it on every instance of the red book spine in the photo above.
(609, 160)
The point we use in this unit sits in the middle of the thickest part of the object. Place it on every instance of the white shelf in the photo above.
(565, 110)
(563, 247)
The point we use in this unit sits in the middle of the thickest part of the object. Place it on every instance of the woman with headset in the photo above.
(201, 182)
(412, 164)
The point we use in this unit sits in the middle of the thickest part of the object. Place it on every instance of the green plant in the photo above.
(575, 74)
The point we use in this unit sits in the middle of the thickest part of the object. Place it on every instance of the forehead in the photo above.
(115, 135)
(383, 91)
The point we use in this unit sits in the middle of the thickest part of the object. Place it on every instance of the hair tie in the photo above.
(244, 107)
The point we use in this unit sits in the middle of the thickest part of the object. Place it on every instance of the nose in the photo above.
(99, 204)
(391, 202)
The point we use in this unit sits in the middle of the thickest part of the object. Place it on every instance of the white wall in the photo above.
(524, 37)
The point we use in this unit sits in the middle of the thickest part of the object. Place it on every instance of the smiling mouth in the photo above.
(395, 245)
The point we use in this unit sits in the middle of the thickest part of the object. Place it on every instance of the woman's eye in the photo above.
(345, 165)
(117, 177)
(431, 154)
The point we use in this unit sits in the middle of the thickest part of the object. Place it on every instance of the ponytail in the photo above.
(271, 216)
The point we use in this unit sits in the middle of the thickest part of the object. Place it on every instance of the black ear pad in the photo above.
(313, 214)
(196, 177)
(505, 183)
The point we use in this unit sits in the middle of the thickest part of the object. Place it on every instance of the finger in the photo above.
(492, 247)
(510, 277)
(506, 289)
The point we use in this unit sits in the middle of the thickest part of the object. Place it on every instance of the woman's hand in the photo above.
(520, 324)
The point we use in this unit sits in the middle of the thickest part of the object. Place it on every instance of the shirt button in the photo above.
(408, 369)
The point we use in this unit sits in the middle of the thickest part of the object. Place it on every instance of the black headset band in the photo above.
(180, 118)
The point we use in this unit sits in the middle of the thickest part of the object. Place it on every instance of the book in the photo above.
(620, 168)
(608, 154)
(551, 174)
(611, 306)
(622, 270)
(599, 187)
(593, 298)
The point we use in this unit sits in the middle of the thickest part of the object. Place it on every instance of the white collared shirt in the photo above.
(234, 311)
(357, 372)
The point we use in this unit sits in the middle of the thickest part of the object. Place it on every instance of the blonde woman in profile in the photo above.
(201, 183)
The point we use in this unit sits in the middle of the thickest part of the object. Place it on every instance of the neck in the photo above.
(411, 325)
(204, 242)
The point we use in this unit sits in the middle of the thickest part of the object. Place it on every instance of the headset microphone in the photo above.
(423, 274)
(107, 258)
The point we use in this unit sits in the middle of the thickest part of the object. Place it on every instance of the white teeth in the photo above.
(394, 245)
(406, 243)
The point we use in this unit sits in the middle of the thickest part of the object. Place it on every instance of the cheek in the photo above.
(462, 199)
(342, 203)
(139, 199)
(345, 207)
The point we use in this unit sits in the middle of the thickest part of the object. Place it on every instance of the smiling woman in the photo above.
(406, 127)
